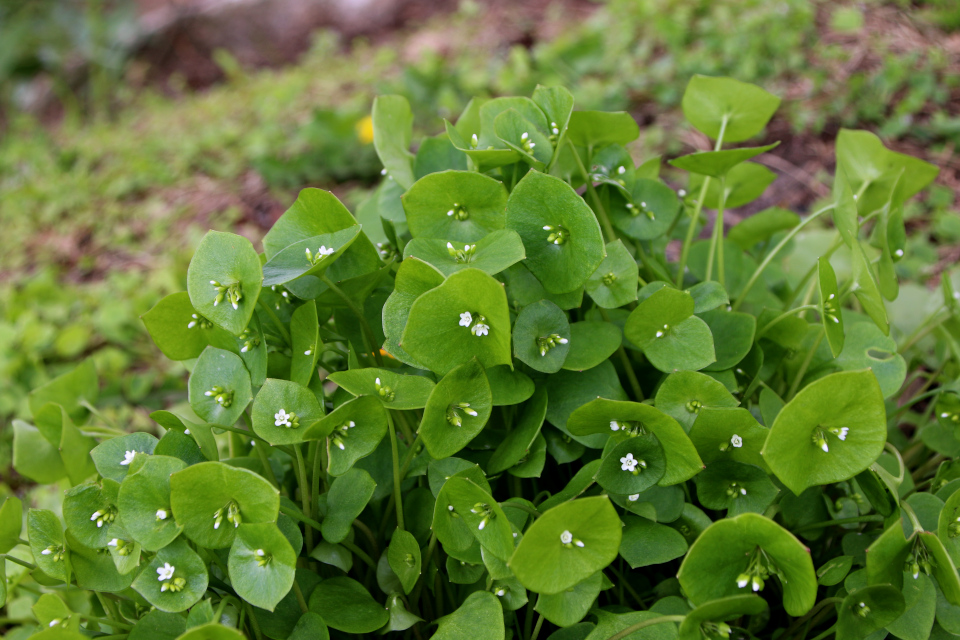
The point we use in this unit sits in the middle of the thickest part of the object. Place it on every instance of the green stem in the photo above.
(773, 253)
(304, 483)
(627, 366)
(925, 328)
(253, 621)
(395, 453)
(810, 614)
(299, 517)
(415, 596)
(838, 522)
(261, 449)
(783, 316)
(522, 507)
(282, 328)
(826, 633)
(536, 628)
(601, 211)
(716, 241)
(300, 599)
(364, 325)
(802, 371)
(644, 624)
(360, 553)
(912, 401)
(16, 560)
(691, 232)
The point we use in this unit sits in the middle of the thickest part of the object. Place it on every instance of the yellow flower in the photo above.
(364, 129)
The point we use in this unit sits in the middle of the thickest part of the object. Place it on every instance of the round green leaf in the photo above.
(480, 513)
(404, 557)
(144, 502)
(47, 544)
(158, 625)
(520, 439)
(591, 343)
(743, 184)
(614, 283)
(721, 554)
(491, 254)
(113, 457)
(718, 164)
(89, 510)
(736, 487)
(646, 212)
(867, 348)
(737, 109)
(664, 327)
(457, 410)
(262, 565)
(508, 386)
(224, 280)
(480, 617)
(732, 336)
(523, 136)
(647, 543)
(229, 497)
(719, 611)
(632, 466)
(728, 434)
(414, 278)
(345, 605)
(176, 327)
(560, 234)
(570, 605)
(394, 390)
(308, 257)
(867, 610)
(355, 428)
(94, 569)
(832, 430)
(465, 317)
(614, 417)
(182, 571)
(476, 201)
(600, 128)
(567, 545)
(282, 411)
(346, 500)
(219, 387)
(541, 336)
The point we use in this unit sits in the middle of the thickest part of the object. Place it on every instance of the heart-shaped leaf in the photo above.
(457, 410)
(461, 206)
(261, 564)
(491, 254)
(671, 337)
(224, 280)
(282, 410)
(345, 605)
(727, 108)
(174, 580)
(145, 504)
(219, 387)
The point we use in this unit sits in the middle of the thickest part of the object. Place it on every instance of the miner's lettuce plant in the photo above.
(488, 405)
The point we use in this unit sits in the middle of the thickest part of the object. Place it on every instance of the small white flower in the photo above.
(843, 433)
(46, 552)
(113, 543)
(579, 543)
(566, 537)
(682, 193)
(614, 425)
(466, 318)
(128, 457)
(165, 572)
(736, 441)
(628, 462)
(96, 514)
(621, 170)
(162, 514)
(743, 580)
(186, 431)
(634, 497)
(480, 329)
(324, 251)
(524, 135)
(944, 415)
(501, 592)
(281, 419)
(563, 341)
(898, 253)
(823, 445)
(55, 622)
(260, 553)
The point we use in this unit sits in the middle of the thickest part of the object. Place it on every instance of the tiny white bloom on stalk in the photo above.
(260, 553)
(566, 537)
(96, 514)
(54, 622)
(162, 514)
(736, 441)
(614, 425)
(113, 543)
(621, 170)
(634, 497)
(466, 319)
(628, 462)
(480, 329)
(281, 419)
(46, 552)
(743, 580)
(128, 457)
(843, 433)
(165, 572)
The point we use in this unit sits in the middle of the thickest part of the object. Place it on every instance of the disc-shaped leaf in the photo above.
(479, 617)
(481, 513)
(724, 106)
(632, 466)
(567, 544)
(145, 504)
(283, 410)
(721, 610)
(396, 391)
(867, 348)
(491, 254)
(47, 544)
(723, 552)
(867, 610)
(458, 408)
(541, 336)
(521, 135)
(570, 606)
(95, 570)
(461, 206)
(414, 278)
(560, 233)
(224, 280)
(176, 328)
(664, 327)
(600, 128)
(229, 497)
(404, 557)
(647, 543)
(308, 257)
(89, 510)
(219, 387)
(518, 441)
(743, 184)
(602, 416)
(591, 343)
(732, 336)
(392, 134)
(920, 603)
(174, 563)
(728, 434)
(736, 487)
(347, 498)
(614, 283)
(202, 434)
(508, 386)
(355, 428)
(113, 457)
(345, 605)
(465, 317)
(718, 163)
(833, 429)
(648, 212)
(262, 565)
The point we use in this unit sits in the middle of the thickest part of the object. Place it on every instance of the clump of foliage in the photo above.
(488, 405)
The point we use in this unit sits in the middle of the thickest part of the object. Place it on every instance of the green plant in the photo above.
(413, 416)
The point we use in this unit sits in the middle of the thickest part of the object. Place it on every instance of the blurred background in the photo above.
(130, 127)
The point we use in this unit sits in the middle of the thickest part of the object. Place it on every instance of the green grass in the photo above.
(99, 216)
